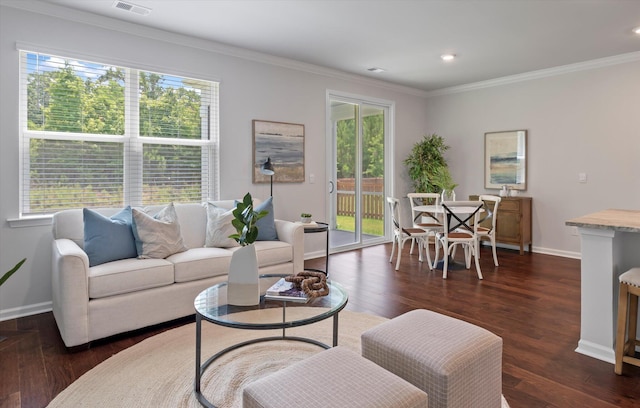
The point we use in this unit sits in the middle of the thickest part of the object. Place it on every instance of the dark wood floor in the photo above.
(531, 301)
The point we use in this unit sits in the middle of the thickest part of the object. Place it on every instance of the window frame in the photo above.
(132, 142)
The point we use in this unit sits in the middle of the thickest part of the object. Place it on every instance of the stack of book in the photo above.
(286, 291)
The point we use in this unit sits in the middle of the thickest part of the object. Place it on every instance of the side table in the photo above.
(321, 227)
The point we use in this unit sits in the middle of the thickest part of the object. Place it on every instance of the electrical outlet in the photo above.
(574, 231)
(582, 177)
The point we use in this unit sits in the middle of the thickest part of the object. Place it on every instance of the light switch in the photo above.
(582, 177)
(312, 178)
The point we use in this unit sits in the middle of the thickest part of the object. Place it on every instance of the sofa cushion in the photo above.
(200, 263)
(273, 252)
(219, 227)
(128, 275)
(193, 223)
(158, 236)
(108, 239)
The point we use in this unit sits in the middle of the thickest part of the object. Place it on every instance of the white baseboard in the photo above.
(564, 254)
(596, 351)
(26, 310)
(314, 255)
(539, 250)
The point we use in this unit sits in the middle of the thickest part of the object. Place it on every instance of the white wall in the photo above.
(249, 90)
(581, 122)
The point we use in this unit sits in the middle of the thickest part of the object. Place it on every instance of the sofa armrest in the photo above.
(293, 233)
(70, 291)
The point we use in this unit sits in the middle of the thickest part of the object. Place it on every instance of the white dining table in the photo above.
(439, 209)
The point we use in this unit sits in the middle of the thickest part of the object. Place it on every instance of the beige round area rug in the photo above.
(160, 371)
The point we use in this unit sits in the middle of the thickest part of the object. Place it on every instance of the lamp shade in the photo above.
(267, 168)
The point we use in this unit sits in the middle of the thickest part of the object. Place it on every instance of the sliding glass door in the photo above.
(358, 131)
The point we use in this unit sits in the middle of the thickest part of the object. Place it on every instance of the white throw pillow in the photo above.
(158, 236)
(219, 228)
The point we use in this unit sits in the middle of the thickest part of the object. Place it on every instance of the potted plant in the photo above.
(305, 217)
(442, 179)
(11, 272)
(6, 276)
(243, 281)
(427, 167)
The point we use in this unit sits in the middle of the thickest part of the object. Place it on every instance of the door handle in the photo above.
(331, 187)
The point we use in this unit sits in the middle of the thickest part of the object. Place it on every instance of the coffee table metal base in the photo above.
(201, 368)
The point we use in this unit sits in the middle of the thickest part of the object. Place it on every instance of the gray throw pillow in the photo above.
(219, 227)
(158, 236)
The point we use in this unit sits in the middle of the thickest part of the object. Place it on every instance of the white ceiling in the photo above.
(492, 39)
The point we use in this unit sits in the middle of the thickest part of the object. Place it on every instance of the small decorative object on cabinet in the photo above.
(243, 281)
(513, 221)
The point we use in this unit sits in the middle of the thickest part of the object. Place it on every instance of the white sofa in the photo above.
(90, 303)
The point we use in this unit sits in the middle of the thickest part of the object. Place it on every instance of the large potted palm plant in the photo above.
(243, 282)
(427, 166)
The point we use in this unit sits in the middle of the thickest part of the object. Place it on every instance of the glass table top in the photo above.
(212, 305)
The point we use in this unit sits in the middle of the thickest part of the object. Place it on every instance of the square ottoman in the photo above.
(335, 378)
(458, 364)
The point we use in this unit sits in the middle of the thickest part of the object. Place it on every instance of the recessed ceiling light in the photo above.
(447, 57)
(636, 30)
(375, 69)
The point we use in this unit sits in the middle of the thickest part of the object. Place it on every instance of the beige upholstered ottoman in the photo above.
(335, 378)
(457, 363)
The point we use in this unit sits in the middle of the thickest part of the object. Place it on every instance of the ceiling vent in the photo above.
(133, 8)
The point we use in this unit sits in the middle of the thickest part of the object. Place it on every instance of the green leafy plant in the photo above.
(11, 272)
(427, 167)
(442, 179)
(244, 221)
(305, 215)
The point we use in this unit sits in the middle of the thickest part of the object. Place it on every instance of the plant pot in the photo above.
(305, 220)
(243, 281)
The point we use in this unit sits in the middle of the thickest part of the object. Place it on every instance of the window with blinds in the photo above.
(96, 135)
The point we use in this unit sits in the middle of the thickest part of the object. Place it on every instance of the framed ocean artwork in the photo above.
(505, 159)
(283, 143)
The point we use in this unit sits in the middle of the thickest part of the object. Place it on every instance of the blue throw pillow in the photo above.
(108, 239)
(267, 224)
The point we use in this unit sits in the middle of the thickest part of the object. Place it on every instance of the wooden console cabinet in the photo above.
(513, 222)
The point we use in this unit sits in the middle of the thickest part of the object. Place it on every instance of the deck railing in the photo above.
(372, 198)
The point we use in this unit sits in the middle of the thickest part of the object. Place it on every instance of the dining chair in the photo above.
(488, 230)
(460, 229)
(401, 234)
(427, 221)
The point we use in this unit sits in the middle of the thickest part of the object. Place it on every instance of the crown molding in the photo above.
(542, 73)
(109, 23)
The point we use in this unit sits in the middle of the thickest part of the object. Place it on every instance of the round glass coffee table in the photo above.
(211, 305)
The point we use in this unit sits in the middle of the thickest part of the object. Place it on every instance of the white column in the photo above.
(597, 321)
(606, 254)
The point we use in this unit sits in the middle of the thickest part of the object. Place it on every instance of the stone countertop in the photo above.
(617, 220)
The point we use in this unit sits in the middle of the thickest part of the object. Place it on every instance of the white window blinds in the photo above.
(95, 135)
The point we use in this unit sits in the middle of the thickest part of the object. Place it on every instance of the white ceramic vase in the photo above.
(243, 282)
